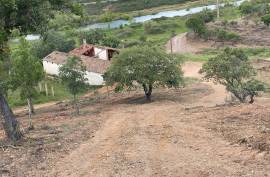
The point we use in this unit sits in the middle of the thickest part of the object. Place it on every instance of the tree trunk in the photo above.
(148, 91)
(30, 107)
(11, 125)
(241, 98)
(218, 13)
(75, 104)
(251, 99)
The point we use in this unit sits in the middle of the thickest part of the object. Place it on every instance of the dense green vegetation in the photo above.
(197, 24)
(26, 17)
(232, 69)
(72, 74)
(60, 93)
(25, 73)
(155, 32)
(145, 67)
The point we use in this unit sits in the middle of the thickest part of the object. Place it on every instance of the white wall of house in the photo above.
(51, 68)
(93, 78)
(101, 53)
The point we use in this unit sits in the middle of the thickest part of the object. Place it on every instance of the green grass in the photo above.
(134, 32)
(60, 93)
(229, 13)
(196, 57)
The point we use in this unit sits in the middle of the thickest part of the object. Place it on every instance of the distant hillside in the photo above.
(95, 7)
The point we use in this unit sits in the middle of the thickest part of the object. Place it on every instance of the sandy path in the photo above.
(180, 44)
(219, 93)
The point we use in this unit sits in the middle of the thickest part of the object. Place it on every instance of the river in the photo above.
(142, 19)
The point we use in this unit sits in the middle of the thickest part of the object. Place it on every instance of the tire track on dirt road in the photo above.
(155, 140)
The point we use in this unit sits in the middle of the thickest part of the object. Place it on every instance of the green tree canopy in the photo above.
(27, 16)
(145, 66)
(73, 76)
(266, 19)
(53, 41)
(232, 69)
(99, 37)
(197, 25)
(25, 74)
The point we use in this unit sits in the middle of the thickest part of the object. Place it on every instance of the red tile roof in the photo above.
(82, 49)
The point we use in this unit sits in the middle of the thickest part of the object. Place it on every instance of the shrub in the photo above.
(131, 43)
(53, 41)
(153, 28)
(250, 7)
(63, 21)
(207, 15)
(124, 33)
(73, 75)
(246, 8)
(266, 19)
(92, 36)
(223, 35)
(99, 37)
(197, 25)
(135, 25)
(110, 41)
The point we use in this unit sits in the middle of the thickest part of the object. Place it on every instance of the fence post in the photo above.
(52, 91)
(46, 89)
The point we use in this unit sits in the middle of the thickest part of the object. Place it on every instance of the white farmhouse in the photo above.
(96, 59)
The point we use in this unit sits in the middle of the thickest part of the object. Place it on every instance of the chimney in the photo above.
(84, 41)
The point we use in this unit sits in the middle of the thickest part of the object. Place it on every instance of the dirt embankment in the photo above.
(182, 43)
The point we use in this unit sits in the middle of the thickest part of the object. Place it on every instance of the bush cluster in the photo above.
(53, 41)
(266, 19)
(259, 7)
(99, 37)
(197, 25)
(153, 28)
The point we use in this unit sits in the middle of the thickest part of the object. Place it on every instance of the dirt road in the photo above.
(158, 139)
(218, 95)
(180, 134)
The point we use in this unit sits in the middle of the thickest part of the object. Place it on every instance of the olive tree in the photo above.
(25, 74)
(232, 69)
(145, 66)
(72, 74)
